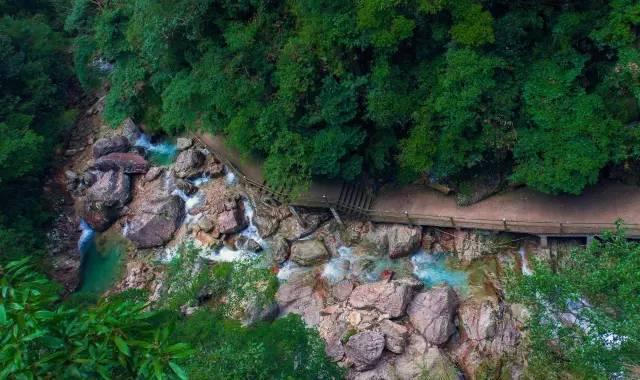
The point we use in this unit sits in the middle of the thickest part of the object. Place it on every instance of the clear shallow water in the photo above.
(433, 269)
(101, 259)
(160, 154)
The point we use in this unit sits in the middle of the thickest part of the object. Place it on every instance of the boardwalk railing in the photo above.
(405, 217)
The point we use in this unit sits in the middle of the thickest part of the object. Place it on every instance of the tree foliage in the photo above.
(585, 311)
(340, 89)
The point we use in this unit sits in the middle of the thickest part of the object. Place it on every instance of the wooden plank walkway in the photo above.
(522, 210)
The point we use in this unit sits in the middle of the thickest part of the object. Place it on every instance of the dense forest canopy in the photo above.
(547, 92)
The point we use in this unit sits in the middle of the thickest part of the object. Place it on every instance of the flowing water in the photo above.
(160, 154)
(434, 269)
(102, 256)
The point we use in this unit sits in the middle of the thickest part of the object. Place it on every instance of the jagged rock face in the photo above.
(130, 163)
(308, 252)
(104, 200)
(431, 312)
(188, 163)
(478, 320)
(114, 144)
(470, 245)
(364, 349)
(389, 298)
(156, 222)
(395, 240)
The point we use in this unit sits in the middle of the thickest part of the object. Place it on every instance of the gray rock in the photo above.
(279, 249)
(243, 242)
(104, 200)
(130, 131)
(157, 221)
(342, 290)
(130, 163)
(396, 240)
(188, 163)
(308, 252)
(431, 313)
(105, 145)
(153, 173)
(364, 349)
(184, 143)
(395, 336)
(390, 297)
(231, 219)
(478, 320)
(419, 359)
(297, 296)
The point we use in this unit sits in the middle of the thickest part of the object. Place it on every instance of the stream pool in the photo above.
(102, 256)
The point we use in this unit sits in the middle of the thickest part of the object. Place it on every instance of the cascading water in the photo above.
(524, 262)
(162, 154)
(432, 270)
(338, 267)
(100, 256)
(230, 178)
(86, 237)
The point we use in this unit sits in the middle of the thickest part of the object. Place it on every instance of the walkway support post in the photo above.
(335, 214)
(453, 223)
(504, 222)
(406, 213)
(544, 243)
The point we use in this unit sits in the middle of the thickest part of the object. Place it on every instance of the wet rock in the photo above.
(89, 178)
(107, 145)
(308, 252)
(342, 290)
(431, 313)
(215, 169)
(279, 249)
(248, 244)
(130, 131)
(104, 200)
(205, 224)
(184, 143)
(188, 163)
(153, 173)
(70, 175)
(267, 218)
(388, 297)
(395, 240)
(231, 219)
(156, 222)
(395, 336)
(364, 349)
(130, 163)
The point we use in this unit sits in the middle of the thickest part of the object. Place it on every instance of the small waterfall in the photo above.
(338, 267)
(159, 153)
(230, 178)
(251, 232)
(288, 269)
(86, 237)
(199, 181)
(189, 201)
(526, 270)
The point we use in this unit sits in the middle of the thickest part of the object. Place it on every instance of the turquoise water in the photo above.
(159, 154)
(101, 260)
(434, 269)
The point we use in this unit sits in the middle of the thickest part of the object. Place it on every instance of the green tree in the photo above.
(598, 288)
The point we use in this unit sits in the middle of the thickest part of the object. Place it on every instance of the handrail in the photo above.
(405, 217)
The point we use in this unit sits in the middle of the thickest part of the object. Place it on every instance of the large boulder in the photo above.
(308, 252)
(231, 218)
(395, 336)
(298, 296)
(156, 222)
(478, 320)
(184, 143)
(419, 360)
(390, 297)
(130, 163)
(431, 312)
(106, 145)
(396, 240)
(364, 349)
(470, 245)
(104, 200)
(188, 163)
(279, 248)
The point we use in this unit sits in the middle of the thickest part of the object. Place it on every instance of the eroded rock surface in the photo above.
(364, 349)
(130, 163)
(105, 199)
(308, 252)
(431, 312)
(389, 297)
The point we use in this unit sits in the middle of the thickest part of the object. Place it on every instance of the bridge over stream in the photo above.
(522, 210)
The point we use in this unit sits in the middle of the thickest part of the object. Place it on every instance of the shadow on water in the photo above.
(102, 256)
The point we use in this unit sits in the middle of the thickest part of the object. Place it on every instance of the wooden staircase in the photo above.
(355, 200)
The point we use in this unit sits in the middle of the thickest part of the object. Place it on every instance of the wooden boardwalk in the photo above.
(522, 210)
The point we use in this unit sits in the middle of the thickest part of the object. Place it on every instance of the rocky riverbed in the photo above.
(390, 301)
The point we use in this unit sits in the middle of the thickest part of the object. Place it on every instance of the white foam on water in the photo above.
(432, 270)
(230, 178)
(339, 267)
(251, 232)
(144, 141)
(189, 201)
(288, 269)
(199, 181)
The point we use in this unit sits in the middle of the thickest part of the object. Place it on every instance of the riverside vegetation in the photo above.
(452, 91)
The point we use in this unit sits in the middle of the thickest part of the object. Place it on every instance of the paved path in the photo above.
(521, 210)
